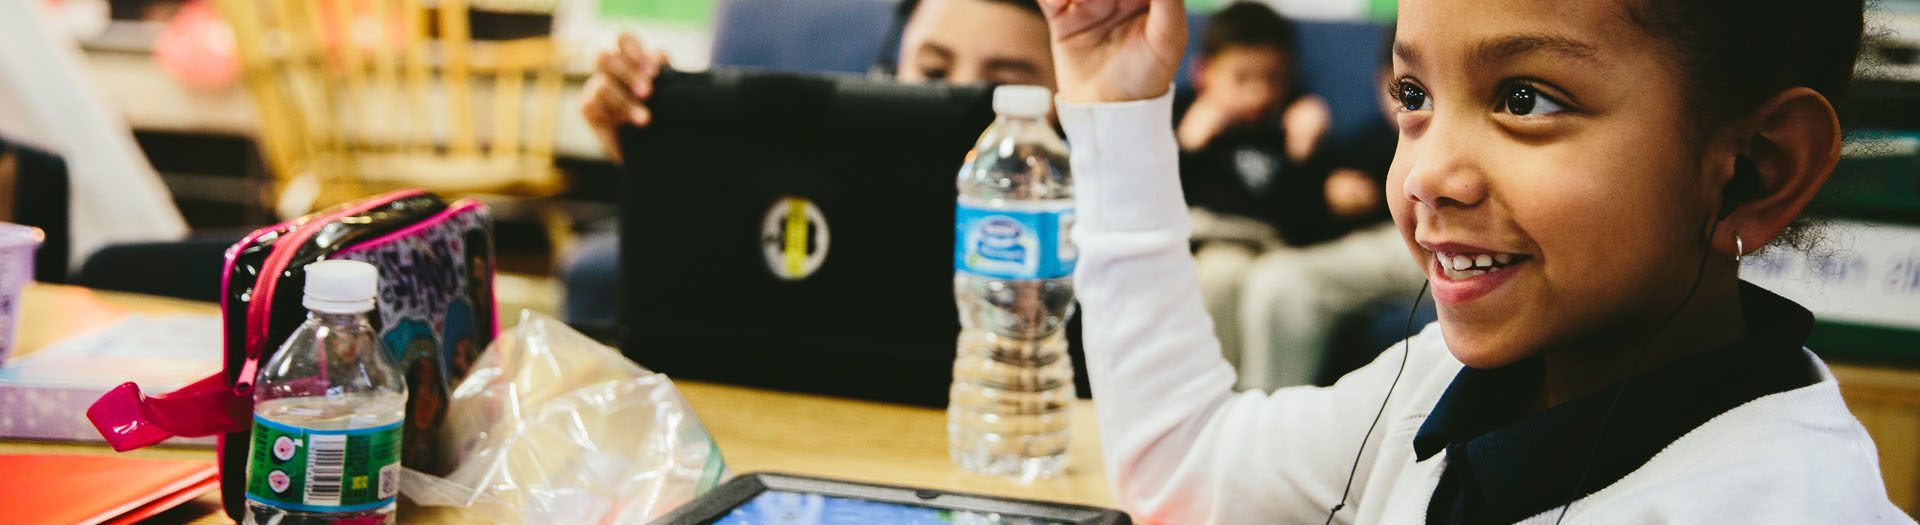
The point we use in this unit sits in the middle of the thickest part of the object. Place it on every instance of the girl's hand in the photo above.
(1116, 50)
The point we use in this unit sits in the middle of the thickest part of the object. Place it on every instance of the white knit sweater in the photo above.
(1181, 447)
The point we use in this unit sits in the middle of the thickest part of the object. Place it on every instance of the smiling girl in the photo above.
(1579, 179)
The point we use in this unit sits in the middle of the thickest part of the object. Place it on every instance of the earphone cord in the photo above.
(1406, 348)
(1607, 419)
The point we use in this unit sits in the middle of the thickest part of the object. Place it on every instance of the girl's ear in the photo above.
(1794, 147)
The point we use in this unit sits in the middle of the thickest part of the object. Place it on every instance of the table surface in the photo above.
(758, 430)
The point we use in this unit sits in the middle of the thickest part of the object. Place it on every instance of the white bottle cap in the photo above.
(341, 287)
(1022, 101)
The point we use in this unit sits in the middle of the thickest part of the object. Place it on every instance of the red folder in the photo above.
(81, 489)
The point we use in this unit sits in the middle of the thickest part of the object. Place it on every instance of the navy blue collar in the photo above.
(1505, 464)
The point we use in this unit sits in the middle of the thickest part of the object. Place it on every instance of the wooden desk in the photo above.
(758, 430)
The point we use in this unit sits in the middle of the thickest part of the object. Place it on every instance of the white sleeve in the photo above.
(1179, 445)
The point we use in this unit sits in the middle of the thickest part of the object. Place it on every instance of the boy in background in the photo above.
(1291, 300)
(1249, 165)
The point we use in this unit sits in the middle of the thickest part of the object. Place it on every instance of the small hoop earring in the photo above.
(1739, 249)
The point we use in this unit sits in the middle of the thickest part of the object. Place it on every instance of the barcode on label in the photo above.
(389, 481)
(326, 465)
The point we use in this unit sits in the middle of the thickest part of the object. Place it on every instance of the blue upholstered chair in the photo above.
(846, 36)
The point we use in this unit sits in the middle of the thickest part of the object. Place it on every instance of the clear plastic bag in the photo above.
(553, 427)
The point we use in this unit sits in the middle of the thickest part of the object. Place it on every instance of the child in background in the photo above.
(1248, 163)
(1577, 179)
(1293, 301)
(952, 41)
(1249, 132)
(1245, 79)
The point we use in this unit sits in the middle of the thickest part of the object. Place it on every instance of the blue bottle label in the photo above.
(1027, 241)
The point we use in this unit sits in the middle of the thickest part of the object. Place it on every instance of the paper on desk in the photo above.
(45, 394)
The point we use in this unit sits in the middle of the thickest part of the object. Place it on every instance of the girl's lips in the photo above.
(1458, 287)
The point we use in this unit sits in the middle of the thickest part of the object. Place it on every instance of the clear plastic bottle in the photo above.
(1013, 264)
(327, 412)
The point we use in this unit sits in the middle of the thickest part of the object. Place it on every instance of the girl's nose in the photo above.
(1443, 174)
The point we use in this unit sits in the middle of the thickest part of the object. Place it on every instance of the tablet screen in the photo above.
(775, 507)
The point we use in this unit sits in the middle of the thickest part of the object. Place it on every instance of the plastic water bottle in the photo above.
(1013, 264)
(327, 412)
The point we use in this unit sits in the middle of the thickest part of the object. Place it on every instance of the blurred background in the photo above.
(170, 67)
(229, 132)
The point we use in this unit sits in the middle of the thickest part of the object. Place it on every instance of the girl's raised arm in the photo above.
(1180, 446)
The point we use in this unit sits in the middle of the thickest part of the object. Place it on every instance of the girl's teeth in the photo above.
(1465, 266)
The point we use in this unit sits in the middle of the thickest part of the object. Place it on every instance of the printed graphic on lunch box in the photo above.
(436, 314)
(1009, 243)
(323, 470)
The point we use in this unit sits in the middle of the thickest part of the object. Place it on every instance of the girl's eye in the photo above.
(1524, 100)
(1410, 96)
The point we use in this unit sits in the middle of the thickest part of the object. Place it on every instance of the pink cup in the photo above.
(17, 244)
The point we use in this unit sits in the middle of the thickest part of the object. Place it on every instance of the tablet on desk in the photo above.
(767, 498)
(858, 302)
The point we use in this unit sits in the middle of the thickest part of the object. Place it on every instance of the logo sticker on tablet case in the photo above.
(794, 238)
